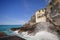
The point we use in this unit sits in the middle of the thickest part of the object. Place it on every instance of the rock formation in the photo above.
(53, 13)
(46, 19)
(2, 34)
(50, 14)
(11, 38)
(42, 18)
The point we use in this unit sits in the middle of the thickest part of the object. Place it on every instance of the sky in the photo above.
(16, 12)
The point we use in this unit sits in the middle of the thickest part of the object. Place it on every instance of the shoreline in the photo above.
(3, 36)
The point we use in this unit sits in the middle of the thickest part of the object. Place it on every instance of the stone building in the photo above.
(38, 17)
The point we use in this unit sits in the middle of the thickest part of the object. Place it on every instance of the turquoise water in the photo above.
(6, 28)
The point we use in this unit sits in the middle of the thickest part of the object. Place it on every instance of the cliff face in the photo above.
(53, 11)
(52, 24)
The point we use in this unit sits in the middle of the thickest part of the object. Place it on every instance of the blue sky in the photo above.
(16, 12)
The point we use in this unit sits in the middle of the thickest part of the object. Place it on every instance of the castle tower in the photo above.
(40, 16)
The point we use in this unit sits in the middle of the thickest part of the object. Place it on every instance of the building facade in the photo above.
(38, 17)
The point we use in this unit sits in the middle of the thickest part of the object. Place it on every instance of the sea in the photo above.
(7, 28)
(41, 35)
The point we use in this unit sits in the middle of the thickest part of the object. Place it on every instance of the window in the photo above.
(39, 10)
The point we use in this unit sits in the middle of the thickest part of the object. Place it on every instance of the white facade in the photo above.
(40, 16)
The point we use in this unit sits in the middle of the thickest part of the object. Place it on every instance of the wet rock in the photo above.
(14, 29)
(11, 38)
(2, 34)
